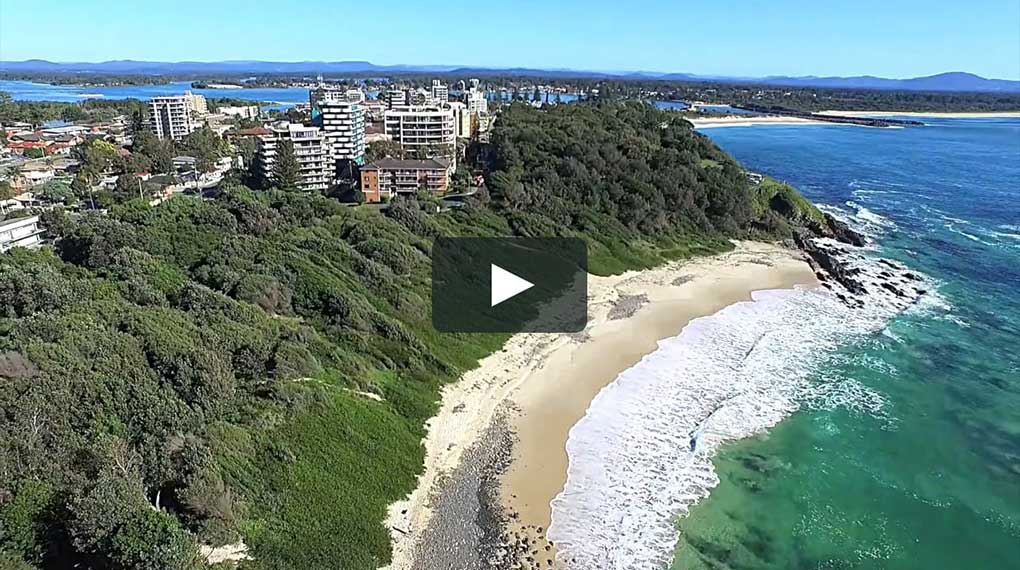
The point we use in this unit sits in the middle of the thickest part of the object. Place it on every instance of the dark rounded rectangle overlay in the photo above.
(461, 275)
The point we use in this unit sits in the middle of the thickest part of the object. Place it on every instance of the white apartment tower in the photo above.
(395, 98)
(170, 117)
(355, 95)
(462, 119)
(197, 103)
(342, 122)
(429, 130)
(440, 92)
(311, 149)
(477, 103)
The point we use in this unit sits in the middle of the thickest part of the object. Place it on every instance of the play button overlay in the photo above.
(509, 285)
(505, 285)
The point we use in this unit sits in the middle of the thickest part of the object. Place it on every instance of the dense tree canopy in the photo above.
(39, 112)
(627, 177)
(286, 169)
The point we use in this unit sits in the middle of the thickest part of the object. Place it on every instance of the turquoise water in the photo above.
(918, 465)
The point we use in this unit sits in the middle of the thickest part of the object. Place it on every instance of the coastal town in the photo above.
(362, 141)
(402, 141)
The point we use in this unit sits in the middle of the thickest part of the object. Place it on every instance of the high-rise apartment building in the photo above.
(395, 98)
(462, 119)
(419, 97)
(355, 95)
(197, 103)
(343, 124)
(311, 150)
(477, 103)
(427, 131)
(440, 92)
(170, 117)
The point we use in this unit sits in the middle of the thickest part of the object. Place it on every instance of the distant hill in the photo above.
(128, 66)
(952, 81)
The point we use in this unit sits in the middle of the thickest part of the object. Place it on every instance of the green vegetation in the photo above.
(779, 205)
(260, 366)
(638, 184)
(286, 169)
(39, 112)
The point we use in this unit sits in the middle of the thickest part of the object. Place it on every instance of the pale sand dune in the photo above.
(998, 115)
(751, 120)
(553, 377)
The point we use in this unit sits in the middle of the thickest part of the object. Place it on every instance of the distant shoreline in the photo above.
(958, 115)
(751, 120)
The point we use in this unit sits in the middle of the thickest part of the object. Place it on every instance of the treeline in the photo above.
(39, 112)
(260, 366)
(639, 184)
(822, 99)
(93, 79)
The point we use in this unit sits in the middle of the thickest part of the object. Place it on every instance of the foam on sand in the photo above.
(641, 457)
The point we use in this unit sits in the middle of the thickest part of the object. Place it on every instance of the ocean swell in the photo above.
(641, 456)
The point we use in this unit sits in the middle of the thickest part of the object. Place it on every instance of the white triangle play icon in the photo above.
(505, 285)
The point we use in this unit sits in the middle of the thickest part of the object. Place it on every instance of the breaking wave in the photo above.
(642, 455)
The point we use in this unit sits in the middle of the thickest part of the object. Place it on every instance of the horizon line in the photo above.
(454, 67)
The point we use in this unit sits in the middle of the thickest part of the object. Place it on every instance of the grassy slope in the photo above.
(772, 195)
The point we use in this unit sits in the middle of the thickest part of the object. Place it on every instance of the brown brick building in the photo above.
(387, 177)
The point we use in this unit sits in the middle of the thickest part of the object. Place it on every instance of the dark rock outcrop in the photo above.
(837, 230)
(825, 260)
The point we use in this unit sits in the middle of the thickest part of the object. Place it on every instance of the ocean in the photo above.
(795, 432)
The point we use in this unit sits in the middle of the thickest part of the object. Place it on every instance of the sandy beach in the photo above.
(751, 120)
(495, 453)
(998, 115)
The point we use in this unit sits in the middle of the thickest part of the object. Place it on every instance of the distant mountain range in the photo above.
(952, 81)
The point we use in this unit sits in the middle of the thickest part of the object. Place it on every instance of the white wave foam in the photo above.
(641, 456)
(972, 237)
(871, 221)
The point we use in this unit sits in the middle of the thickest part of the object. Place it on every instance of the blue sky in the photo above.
(890, 38)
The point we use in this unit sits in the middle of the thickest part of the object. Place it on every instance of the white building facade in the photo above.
(22, 232)
(395, 98)
(170, 117)
(431, 131)
(440, 92)
(246, 112)
(477, 102)
(197, 103)
(342, 122)
(311, 150)
(462, 119)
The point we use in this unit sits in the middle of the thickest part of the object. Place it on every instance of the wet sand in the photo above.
(495, 453)
(557, 396)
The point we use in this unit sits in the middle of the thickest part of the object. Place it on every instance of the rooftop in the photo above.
(402, 164)
(16, 222)
(253, 132)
